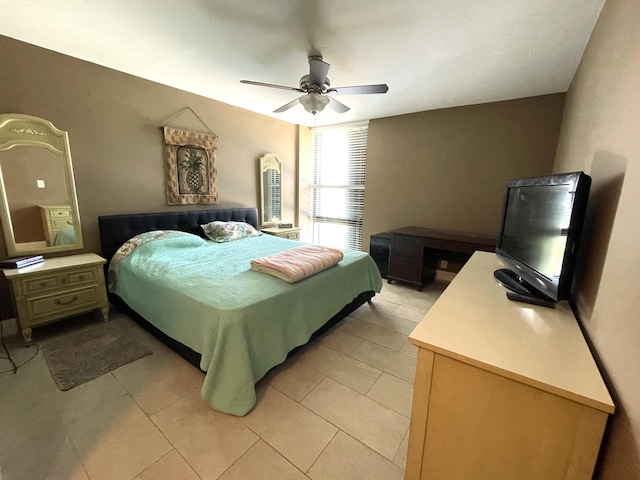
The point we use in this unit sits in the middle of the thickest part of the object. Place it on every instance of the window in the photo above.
(339, 156)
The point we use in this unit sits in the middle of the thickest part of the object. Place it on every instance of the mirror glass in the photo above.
(39, 210)
(270, 171)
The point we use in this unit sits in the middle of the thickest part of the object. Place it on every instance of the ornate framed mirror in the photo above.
(38, 203)
(270, 171)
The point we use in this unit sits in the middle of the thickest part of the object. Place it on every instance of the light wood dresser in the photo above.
(503, 390)
(54, 218)
(292, 233)
(57, 288)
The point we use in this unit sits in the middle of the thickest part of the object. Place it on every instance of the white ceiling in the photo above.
(432, 53)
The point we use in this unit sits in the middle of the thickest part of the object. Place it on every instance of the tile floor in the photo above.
(337, 409)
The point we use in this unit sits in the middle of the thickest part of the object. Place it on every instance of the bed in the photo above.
(203, 299)
(65, 236)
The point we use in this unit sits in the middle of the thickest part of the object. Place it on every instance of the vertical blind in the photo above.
(337, 185)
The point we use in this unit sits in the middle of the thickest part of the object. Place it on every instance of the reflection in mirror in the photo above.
(39, 207)
(270, 189)
(271, 181)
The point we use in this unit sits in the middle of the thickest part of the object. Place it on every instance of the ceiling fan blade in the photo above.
(360, 89)
(318, 71)
(271, 85)
(336, 106)
(286, 107)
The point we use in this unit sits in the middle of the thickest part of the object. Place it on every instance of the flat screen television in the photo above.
(542, 219)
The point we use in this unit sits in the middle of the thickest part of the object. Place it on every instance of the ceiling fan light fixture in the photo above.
(314, 102)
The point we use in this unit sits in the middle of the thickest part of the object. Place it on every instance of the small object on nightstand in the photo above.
(21, 262)
(285, 225)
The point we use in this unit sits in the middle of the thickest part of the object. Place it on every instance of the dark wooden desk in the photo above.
(417, 252)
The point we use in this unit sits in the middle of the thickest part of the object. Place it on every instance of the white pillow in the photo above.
(228, 231)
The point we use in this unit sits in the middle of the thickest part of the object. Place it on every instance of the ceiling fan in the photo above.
(316, 89)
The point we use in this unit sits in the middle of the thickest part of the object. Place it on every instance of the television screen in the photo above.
(541, 224)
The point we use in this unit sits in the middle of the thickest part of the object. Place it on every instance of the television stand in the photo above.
(521, 291)
(502, 391)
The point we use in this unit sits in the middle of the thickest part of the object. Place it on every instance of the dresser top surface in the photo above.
(473, 321)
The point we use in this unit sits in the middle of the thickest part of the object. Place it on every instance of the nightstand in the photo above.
(54, 218)
(292, 233)
(57, 288)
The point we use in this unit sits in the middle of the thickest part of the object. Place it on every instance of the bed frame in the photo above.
(117, 229)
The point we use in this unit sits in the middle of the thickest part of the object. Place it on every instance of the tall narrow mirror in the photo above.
(270, 171)
(39, 208)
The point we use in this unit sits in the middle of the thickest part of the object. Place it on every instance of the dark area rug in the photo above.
(83, 356)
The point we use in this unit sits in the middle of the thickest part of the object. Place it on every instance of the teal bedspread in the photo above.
(66, 236)
(243, 323)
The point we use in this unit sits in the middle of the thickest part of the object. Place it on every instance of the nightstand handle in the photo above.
(57, 301)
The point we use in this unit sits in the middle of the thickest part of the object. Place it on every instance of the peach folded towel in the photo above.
(297, 263)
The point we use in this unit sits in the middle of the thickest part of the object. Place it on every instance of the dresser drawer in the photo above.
(60, 304)
(405, 268)
(293, 236)
(44, 283)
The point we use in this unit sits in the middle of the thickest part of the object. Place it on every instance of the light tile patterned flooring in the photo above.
(339, 408)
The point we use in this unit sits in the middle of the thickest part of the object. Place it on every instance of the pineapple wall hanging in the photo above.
(191, 166)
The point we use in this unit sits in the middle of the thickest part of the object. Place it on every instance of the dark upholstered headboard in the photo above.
(117, 229)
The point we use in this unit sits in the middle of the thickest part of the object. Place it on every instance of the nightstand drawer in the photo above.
(45, 283)
(59, 304)
(293, 236)
(59, 223)
(59, 212)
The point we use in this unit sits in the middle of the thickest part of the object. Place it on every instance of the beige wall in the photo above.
(114, 120)
(446, 169)
(601, 135)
